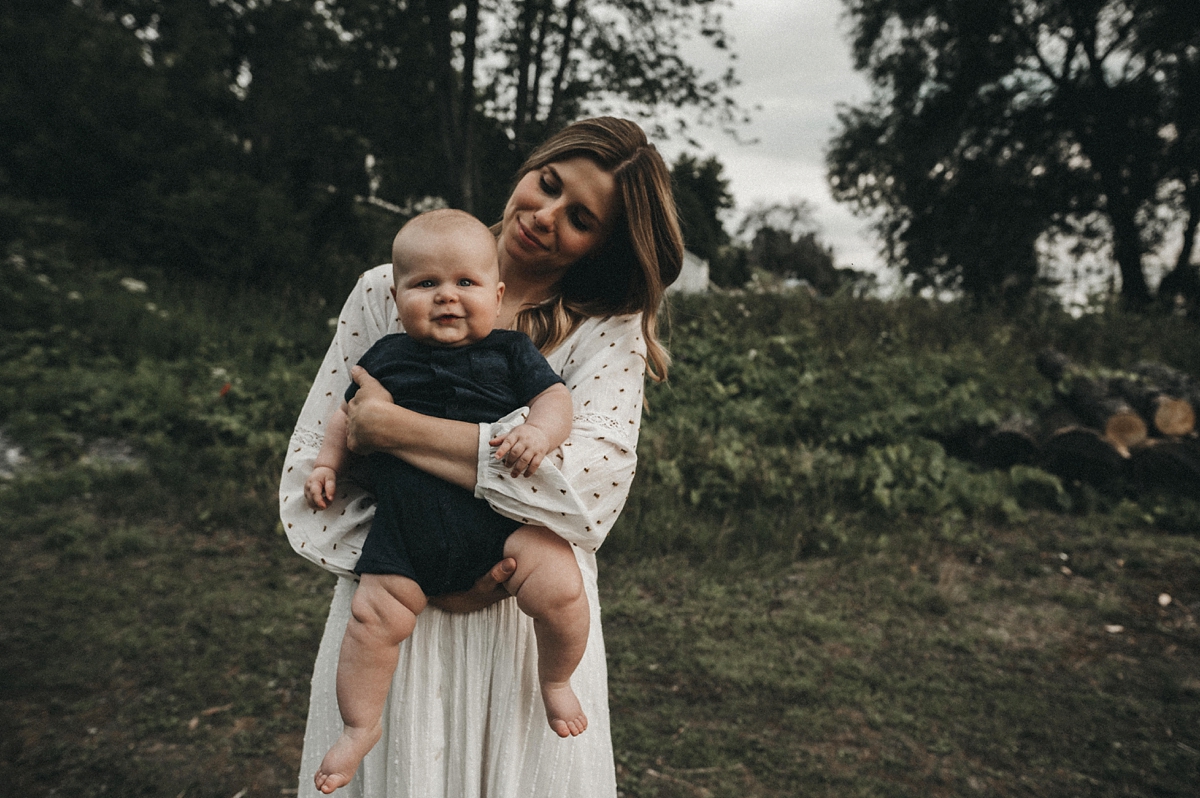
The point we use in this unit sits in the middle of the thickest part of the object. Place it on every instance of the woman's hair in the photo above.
(643, 254)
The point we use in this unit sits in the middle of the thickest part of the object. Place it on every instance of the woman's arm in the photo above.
(332, 538)
(441, 447)
(579, 491)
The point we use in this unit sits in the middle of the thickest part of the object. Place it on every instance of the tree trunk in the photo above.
(1170, 415)
(529, 13)
(1127, 249)
(1105, 143)
(564, 60)
(1169, 466)
(1182, 283)
(1078, 453)
(1094, 399)
(447, 94)
(1013, 442)
(539, 60)
(468, 174)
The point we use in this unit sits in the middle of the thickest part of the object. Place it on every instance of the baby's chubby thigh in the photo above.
(547, 573)
(385, 607)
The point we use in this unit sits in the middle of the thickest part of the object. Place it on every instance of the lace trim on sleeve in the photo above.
(309, 439)
(598, 420)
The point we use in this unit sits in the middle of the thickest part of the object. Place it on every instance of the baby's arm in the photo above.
(321, 485)
(548, 425)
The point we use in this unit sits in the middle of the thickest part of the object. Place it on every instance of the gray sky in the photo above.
(794, 62)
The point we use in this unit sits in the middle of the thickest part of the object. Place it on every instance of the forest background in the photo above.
(818, 586)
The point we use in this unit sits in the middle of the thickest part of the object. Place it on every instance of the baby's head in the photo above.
(446, 279)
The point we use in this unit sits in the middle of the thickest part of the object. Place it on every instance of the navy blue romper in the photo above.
(435, 533)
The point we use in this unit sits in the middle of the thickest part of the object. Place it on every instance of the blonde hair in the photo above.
(631, 270)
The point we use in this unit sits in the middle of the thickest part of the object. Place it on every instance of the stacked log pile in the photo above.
(1108, 428)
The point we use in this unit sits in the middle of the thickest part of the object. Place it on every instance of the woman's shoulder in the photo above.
(598, 336)
(373, 279)
(369, 310)
(372, 285)
(622, 331)
(620, 324)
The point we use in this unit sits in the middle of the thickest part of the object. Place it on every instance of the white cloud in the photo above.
(794, 63)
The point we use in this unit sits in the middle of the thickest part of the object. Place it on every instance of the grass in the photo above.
(794, 603)
(142, 657)
(926, 670)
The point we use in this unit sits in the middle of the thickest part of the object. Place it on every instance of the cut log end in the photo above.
(1125, 429)
(1174, 417)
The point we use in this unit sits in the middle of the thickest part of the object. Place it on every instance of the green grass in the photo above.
(144, 657)
(913, 670)
(152, 658)
(807, 594)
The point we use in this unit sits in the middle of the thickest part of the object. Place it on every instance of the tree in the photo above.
(701, 196)
(785, 241)
(236, 138)
(994, 123)
(554, 60)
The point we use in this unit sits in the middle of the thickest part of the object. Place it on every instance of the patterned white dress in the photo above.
(464, 718)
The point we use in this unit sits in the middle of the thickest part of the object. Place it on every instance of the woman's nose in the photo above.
(544, 216)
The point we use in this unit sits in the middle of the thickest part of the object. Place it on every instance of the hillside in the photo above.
(817, 587)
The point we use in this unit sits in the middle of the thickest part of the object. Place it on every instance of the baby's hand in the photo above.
(320, 487)
(522, 449)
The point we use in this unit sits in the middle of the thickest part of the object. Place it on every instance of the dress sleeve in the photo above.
(332, 538)
(580, 492)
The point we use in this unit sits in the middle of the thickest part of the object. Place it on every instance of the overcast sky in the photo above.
(794, 62)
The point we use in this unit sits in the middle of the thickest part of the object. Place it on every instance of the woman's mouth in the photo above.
(528, 238)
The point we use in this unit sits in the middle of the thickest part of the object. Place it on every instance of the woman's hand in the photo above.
(486, 592)
(366, 412)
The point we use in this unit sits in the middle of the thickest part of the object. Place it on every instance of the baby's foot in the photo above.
(340, 762)
(562, 709)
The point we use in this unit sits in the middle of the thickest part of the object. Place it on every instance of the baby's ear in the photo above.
(499, 292)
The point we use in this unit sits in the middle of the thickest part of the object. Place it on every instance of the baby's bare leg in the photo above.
(382, 614)
(549, 589)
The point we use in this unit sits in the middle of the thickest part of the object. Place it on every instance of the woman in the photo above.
(587, 244)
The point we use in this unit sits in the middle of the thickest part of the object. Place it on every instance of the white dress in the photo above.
(464, 718)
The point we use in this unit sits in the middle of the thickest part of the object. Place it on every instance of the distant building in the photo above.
(693, 279)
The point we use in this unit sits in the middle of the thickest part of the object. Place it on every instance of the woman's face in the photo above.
(556, 215)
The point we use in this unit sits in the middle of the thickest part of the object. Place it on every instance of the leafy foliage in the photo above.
(254, 143)
(701, 196)
(785, 413)
(994, 123)
(785, 241)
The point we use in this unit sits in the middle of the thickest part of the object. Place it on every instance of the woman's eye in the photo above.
(547, 185)
(579, 223)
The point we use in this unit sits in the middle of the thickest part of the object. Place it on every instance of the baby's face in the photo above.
(449, 295)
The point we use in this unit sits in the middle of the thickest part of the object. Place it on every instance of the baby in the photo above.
(430, 537)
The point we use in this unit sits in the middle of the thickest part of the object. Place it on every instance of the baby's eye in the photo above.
(466, 282)
(425, 284)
